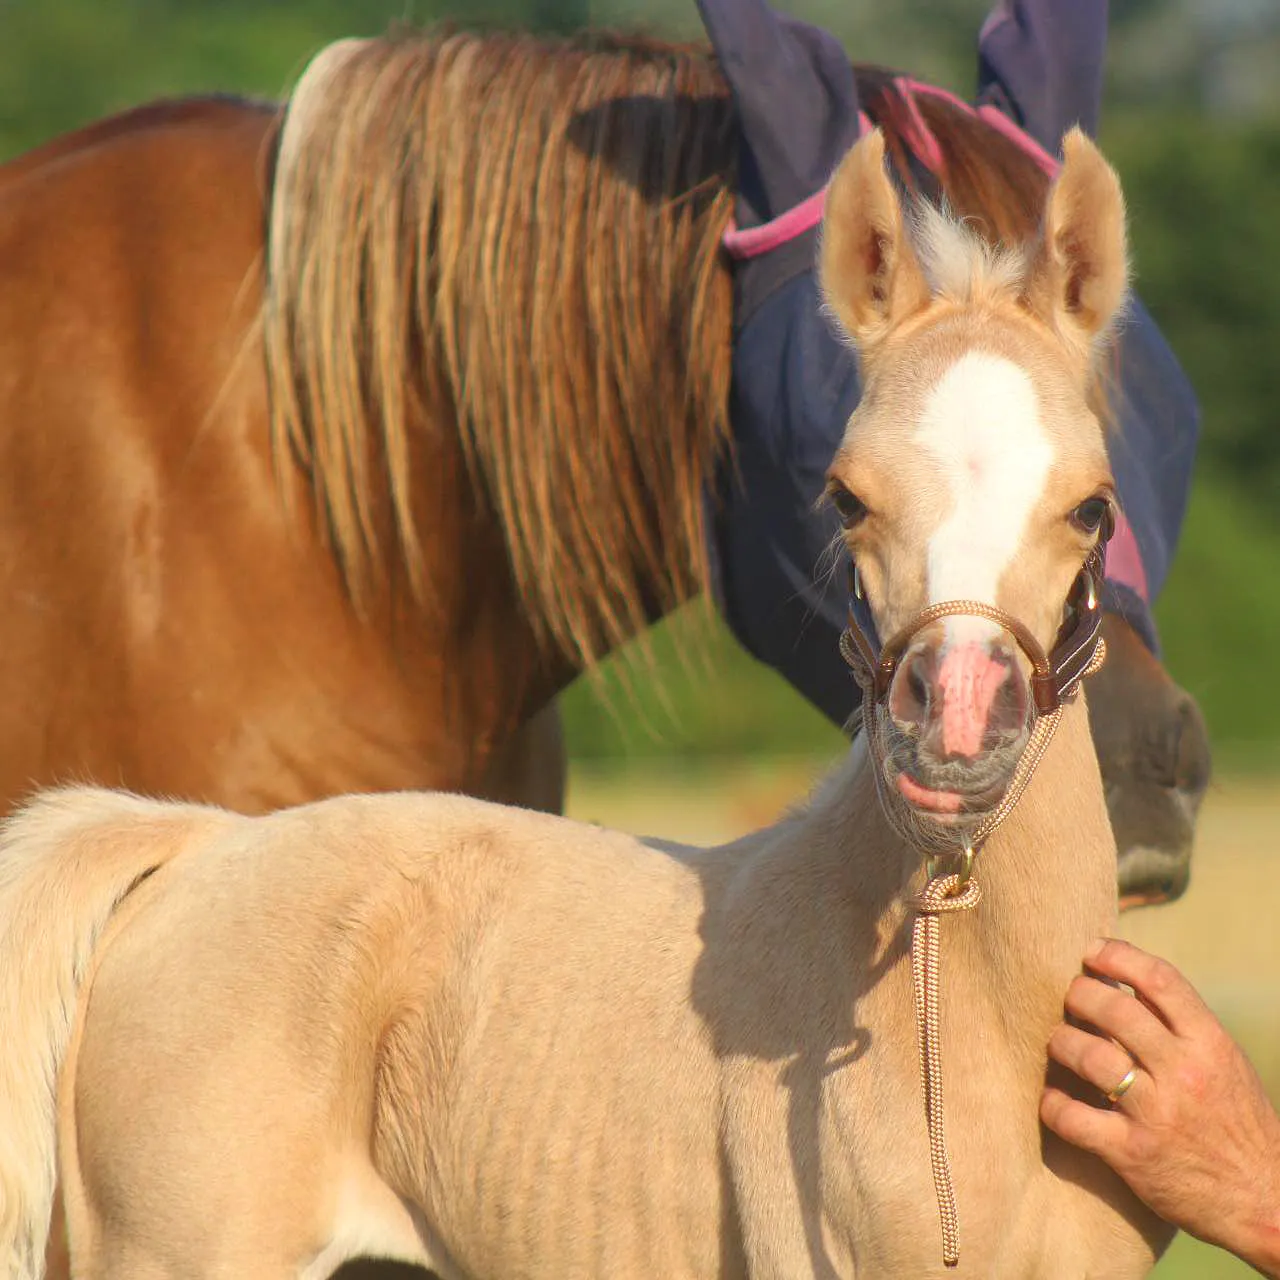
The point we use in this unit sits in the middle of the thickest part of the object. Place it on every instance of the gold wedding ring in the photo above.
(1123, 1087)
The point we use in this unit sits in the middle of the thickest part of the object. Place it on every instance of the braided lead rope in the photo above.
(944, 893)
(941, 895)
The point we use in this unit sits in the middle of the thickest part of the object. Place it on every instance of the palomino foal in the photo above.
(503, 1044)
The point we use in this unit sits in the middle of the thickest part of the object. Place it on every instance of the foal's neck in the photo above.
(1048, 876)
(1048, 879)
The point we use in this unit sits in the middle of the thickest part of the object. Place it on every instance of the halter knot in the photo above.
(946, 893)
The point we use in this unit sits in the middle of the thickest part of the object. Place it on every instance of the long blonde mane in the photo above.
(517, 241)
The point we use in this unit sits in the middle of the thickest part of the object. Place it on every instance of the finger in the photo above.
(1155, 980)
(1118, 1014)
(1101, 1132)
(1095, 1060)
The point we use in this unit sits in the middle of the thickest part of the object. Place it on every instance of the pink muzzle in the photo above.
(969, 678)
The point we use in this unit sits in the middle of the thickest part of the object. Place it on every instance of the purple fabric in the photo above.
(796, 99)
(1041, 62)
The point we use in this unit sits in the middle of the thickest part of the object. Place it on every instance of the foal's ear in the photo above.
(1080, 268)
(871, 277)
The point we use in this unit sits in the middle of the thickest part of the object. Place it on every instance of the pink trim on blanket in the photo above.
(1002, 124)
(1124, 560)
(917, 135)
(754, 241)
(987, 113)
(792, 224)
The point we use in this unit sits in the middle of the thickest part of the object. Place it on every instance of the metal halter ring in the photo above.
(965, 869)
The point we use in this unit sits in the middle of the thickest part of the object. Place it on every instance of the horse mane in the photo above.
(520, 236)
(986, 179)
(518, 239)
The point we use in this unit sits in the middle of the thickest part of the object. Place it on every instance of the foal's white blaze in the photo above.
(982, 424)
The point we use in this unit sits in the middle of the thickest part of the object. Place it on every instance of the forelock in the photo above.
(960, 265)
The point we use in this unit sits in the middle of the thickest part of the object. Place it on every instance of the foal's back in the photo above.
(371, 999)
(501, 1043)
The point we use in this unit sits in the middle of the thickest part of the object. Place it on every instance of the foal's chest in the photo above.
(830, 1164)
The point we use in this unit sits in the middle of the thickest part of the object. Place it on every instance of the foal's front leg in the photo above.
(772, 1155)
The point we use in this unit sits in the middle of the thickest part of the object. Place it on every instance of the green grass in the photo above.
(690, 691)
(1190, 1259)
(1220, 619)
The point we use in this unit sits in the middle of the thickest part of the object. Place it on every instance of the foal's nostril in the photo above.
(983, 700)
(916, 685)
(911, 694)
(1009, 705)
(959, 701)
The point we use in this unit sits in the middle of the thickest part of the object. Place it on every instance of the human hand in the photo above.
(1193, 1134)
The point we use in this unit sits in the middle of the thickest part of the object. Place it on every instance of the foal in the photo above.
(503, 1044)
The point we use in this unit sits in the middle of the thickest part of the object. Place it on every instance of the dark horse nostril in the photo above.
(916, 685)
(1009, 705)
(1192, 766)
(910, 694)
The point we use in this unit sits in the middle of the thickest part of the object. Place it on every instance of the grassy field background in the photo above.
(1221, 934)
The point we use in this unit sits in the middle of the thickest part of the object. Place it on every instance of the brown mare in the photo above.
(355, 527)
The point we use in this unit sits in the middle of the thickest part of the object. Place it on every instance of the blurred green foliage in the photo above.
(1204, 204)
(1204, 193)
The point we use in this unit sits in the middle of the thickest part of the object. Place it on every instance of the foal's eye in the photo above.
(852, 509)
(1089, 516)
